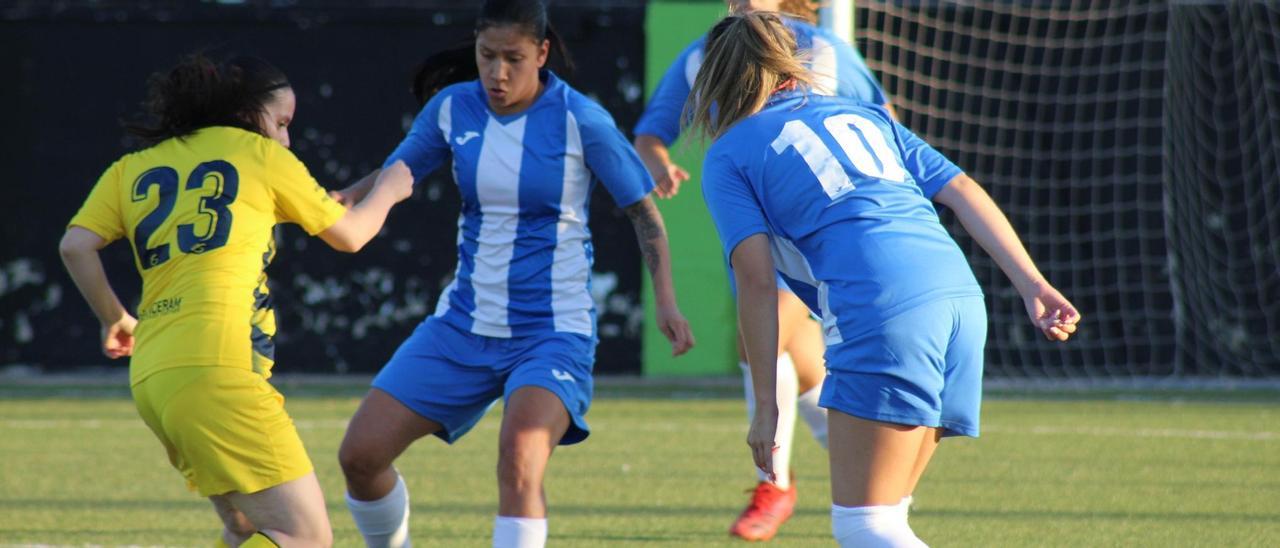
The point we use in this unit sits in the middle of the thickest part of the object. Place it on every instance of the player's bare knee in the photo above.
(359, 464)
(519, 466)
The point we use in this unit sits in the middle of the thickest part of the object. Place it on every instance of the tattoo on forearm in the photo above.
(649, 232)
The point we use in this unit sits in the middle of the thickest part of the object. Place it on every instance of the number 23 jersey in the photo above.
(199, 214)
(843, 192)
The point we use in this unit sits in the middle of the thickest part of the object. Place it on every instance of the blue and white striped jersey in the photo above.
(844, 194)
(836, 65)
(524, 250)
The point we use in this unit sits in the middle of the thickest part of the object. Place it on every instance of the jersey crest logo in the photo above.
(462, 140)
(561, 375)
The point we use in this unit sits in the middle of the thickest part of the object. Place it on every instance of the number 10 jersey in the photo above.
(844, 194)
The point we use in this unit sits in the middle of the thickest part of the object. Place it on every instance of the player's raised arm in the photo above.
(425, 147)
(659, 124)
(354, 193)
(667, 175)
(363, 221)
(1052, 313)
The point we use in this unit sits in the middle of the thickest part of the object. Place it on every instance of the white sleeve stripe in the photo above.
(445, 118)
(826, 73)
(691, 66)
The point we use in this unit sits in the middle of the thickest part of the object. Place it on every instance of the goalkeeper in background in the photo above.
(199, 206)
(838, 70)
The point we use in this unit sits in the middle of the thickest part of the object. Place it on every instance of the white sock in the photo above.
(511, 532)
(814, 416)
(905, 506)
(872, 527)
(383, 522)
(787, 385)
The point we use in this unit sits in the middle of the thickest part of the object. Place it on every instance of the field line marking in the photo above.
(700, 426)
(1138, 432)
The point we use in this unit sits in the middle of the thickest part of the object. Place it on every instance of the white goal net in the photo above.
(1134, 146)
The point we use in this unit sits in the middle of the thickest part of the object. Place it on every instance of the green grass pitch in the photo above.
(668, 467)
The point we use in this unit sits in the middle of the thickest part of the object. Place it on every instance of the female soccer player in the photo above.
(198, 207)
(832, 193)
(517, 322)
(800, 371)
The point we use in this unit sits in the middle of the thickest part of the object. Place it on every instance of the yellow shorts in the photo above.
(224, 428)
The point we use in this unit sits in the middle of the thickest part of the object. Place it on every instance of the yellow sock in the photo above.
(259, 540)
(221, 543)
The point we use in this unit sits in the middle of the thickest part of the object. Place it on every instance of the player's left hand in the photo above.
(761, 438)
(675, 328)
(1052, 313)
(117, 338)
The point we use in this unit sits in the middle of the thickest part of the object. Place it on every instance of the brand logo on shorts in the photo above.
(465, 137)
(562, 376)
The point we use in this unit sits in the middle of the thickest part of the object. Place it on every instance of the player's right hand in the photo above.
(668, 180)
(345, 197)
(117, 338)
(350, 196)
(397, 179)
(764, 428)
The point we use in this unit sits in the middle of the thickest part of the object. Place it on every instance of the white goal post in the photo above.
(837, 15)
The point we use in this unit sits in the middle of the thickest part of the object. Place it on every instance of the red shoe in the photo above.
(769, 508)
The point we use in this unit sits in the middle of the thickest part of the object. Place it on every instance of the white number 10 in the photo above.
(859, 138)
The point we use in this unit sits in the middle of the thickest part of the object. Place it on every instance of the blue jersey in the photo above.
(837, 67)
(843, 192)
(524, 250)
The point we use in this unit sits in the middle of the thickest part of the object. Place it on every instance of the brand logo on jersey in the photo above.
(465, 137)
(561, 375)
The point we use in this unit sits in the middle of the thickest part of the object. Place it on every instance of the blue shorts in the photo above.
(452, 376)
(922, 367)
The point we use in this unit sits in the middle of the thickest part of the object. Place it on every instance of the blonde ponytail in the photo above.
(746, 59)
(802, 9)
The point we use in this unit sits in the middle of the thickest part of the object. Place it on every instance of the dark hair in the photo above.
(453, 65)
(199, 93)
(458, 64)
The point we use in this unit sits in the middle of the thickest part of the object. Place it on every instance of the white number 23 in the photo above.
(859, 138)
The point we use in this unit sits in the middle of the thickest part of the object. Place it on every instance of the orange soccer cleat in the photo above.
(769, 509)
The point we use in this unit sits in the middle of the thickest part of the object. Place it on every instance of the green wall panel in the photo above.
(702, 287)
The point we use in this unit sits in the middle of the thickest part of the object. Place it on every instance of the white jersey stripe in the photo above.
(498, 167)
(570, 269)
(825, 67)
(445, 302)
(789, 261)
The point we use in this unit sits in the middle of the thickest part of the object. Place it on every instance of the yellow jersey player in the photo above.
(198, 207)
